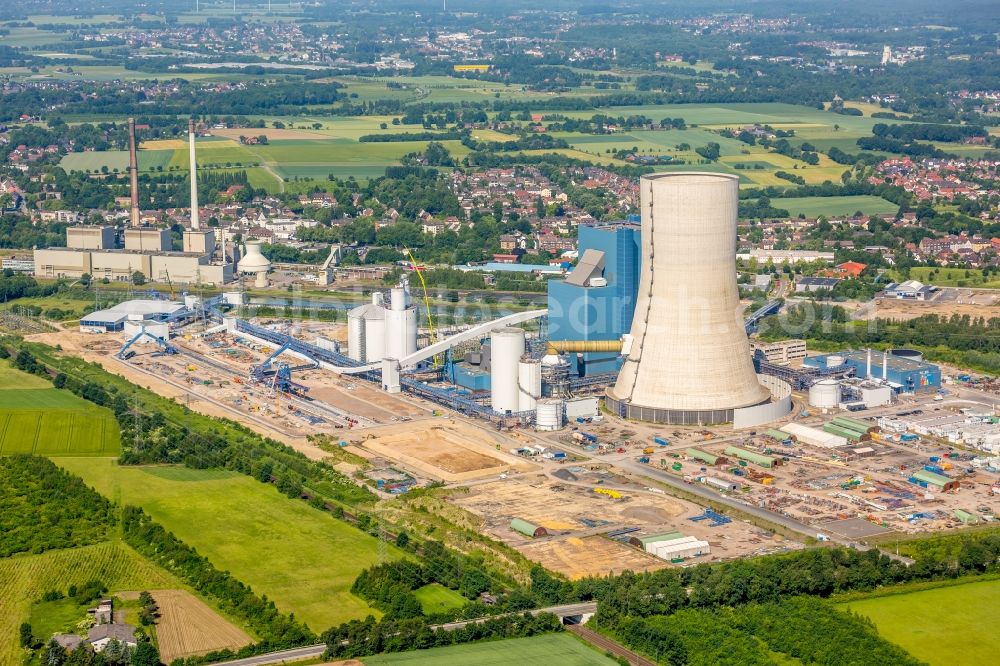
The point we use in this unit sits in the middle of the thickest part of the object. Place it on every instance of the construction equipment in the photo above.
(165, 347)
(169, 283)
(279, 376)
(427, 305)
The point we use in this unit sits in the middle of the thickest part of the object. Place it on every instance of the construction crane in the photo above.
(279, 376)
(170, 284)
(427, 304)
(165, 347)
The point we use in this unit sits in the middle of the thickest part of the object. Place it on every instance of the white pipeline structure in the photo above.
(506, 350)
(381, 330)
(690, 361)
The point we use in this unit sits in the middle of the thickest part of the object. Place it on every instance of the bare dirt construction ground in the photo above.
(101, 349)
(974, 303)
(574, 514)
(577, 558)
(270, 133)
(356, 397)
(447, 450)
(188, 627)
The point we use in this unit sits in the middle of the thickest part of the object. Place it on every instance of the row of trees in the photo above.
(42, 507)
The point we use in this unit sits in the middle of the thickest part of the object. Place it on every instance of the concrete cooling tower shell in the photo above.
(689, 362)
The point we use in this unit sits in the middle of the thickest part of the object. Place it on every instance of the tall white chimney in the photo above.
(192, 158)
(868, 368)
(885, 365)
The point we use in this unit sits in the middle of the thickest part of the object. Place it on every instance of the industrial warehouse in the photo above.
(570, 425)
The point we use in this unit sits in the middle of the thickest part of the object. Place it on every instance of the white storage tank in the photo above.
(825, 394)
(356, 335)
(549, 414)
(834, 361)
(506, 350)
(529, 383)
(374, 339)
(400, 324)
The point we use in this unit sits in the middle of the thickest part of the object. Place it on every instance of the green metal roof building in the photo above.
(966, 517)
(706, 457)
(778, 435)
(856, 425)
(527, 529)
(939, 481)
(643, 541)
(835, 429)
(750, 456)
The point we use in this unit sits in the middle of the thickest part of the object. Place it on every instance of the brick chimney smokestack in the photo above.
(133, 167)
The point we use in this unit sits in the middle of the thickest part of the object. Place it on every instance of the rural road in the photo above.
(313, 651)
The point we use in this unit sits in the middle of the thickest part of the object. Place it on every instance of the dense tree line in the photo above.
(43, 507)
(806, 629)
(359, 638)
(927, 132)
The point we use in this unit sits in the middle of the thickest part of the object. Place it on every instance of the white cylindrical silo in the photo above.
(529, 383)
(550, 414)
(400, 332)
(825, 394)
(506, 350)
(375, 327)
(689, 362)
(356, 334)
(834, 361)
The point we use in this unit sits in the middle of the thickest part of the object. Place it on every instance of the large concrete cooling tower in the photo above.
(689, 359)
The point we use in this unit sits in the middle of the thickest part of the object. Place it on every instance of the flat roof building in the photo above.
(113, 319)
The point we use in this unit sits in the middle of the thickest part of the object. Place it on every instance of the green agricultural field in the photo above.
(950, 626)
(23, 579)
(550, 649)
(436, 598)
(51, 422)
(831, 206)
(149, 160)
(303, 559)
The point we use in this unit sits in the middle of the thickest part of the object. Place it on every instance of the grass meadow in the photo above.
(436, 598)
(549, 649)
(945, 626)
(834, 206)
(304, 560)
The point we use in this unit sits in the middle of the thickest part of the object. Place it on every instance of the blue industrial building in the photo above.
(596, 301)
(904, 374)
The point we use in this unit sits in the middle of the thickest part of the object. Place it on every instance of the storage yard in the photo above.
(588, 514)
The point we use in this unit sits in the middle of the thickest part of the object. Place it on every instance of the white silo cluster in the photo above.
(382, 329)
(506, 350)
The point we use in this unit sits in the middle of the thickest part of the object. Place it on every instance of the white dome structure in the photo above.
(255, 263)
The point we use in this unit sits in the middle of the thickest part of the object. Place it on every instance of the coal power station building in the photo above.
(687, 356)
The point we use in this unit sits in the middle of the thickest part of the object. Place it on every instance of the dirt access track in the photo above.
(448, 450)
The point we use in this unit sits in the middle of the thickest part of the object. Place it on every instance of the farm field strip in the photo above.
(302, 559)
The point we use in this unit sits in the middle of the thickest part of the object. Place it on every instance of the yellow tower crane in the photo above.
(427, 303)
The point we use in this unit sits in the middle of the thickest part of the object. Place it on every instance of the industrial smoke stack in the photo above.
(868, 367)
(133, 167)
(885, 366)
(689, 361)
(192, 158)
